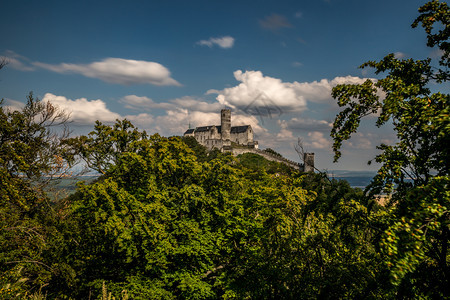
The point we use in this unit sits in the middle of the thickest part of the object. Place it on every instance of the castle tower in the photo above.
(225, 122)
(308, 159)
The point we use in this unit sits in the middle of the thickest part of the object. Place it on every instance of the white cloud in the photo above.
(17, 61)
(176, 122)
(307, 124)
(320, 91)
(142, 102)
(436, 53)
(399, 55)
(194, 104)
(18, 65)
(317, 140)
(285, 133)
(365, 140)
(238, 119)
(257, 92)
(313, 139)
(187, 102)
(13, 105)
(359, 142)
(118, 70)
(112, 70)
(225, 42)
(83, 111)
(387, 141)
(142, 121)
(275, 22)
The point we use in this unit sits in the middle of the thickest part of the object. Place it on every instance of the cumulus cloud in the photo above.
(285, 133)
(320, 91)
(194, 104)
(142, 103)
(180, 113)
(314, 138)
(317, 140)
(307, 124)
(83, 111)
(117, 70)
(225, 42)
(175, 122)
(275, 22)
(258, 93)
(13, 105)
(187, 102)
(142, 121)
(360, 140)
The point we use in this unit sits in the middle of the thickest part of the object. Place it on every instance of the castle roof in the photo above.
(204, 128)
(234, 129)
(239, 129)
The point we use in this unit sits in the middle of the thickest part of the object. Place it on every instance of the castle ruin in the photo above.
(221, 136)
(239, 140)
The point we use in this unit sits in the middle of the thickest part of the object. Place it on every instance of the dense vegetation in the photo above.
(415, 169)
(167, 219)
(162, 223)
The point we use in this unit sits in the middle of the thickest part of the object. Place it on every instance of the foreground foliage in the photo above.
(162, 224)
(30, 156)
(415, 169)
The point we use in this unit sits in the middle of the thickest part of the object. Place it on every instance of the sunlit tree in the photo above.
(415, 169)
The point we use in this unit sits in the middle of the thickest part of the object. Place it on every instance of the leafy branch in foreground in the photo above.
(31, 152)
(415, 169)
(102, 147)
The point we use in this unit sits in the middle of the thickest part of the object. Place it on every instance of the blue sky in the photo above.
(166, 64)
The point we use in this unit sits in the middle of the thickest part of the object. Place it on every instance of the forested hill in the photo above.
(250, 160)
(164, 221)
(167, 219)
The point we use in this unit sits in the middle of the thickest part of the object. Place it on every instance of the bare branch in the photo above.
(301, 153)
(3, 62)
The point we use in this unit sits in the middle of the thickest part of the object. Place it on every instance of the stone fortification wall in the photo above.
(268, 156)
(213, 143)
(241, 138)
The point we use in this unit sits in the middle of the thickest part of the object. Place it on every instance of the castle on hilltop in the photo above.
(239, 140)
(221, 136)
